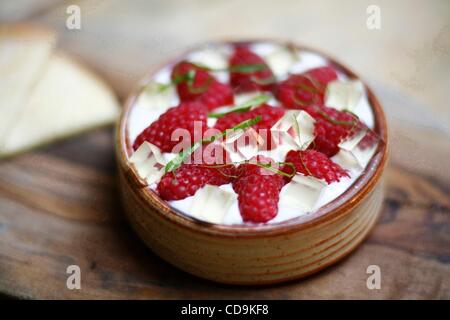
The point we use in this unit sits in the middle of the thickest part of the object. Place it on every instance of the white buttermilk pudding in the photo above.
(250, 133)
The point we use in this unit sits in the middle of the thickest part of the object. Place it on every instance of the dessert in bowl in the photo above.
(252, 162)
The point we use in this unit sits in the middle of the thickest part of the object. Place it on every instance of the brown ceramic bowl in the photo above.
(251, 255)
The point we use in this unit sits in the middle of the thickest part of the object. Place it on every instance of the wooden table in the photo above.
(59, 206)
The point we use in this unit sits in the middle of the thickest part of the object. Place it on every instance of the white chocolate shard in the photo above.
(302, 192)
(210, 57)
(212, 203)
(149, 162)
(304, 129)
(229, 145)
(213, 57)
(344, 95)
(357, 150)
(24, 54)
(158, 96)
(232, 136)
(281, 60)
(66, 99)
(145, 151)
(295, 128)
(235, 156)
(248, 151)
(255, 137)
(350, 143)
(243, 144)
(346, 160)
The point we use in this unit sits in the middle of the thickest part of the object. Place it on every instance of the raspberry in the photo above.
(331, 127)
(211, 154)
(203, 87)
(245, 81)
(258, 191)
(188, 178)
(218, 94)
(270, 115)
(183, 116)
(323, 75)
(190, 89)
(302, 90)
(316, 164)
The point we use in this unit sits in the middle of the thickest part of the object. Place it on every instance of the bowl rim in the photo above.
(340, 206)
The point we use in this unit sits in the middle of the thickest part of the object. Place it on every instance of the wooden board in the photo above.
(59, 205)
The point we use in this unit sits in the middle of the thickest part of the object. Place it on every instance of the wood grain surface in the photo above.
(59, 205)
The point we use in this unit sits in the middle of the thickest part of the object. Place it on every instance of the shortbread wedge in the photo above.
(67, 99)
(24, 53)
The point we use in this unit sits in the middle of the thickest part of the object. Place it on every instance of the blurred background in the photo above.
(59, 204)
(406, 59)
(122, 39)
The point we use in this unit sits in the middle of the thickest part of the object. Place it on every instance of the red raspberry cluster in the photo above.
(258, 189)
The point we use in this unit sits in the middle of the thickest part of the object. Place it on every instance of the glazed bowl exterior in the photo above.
(255, 255)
